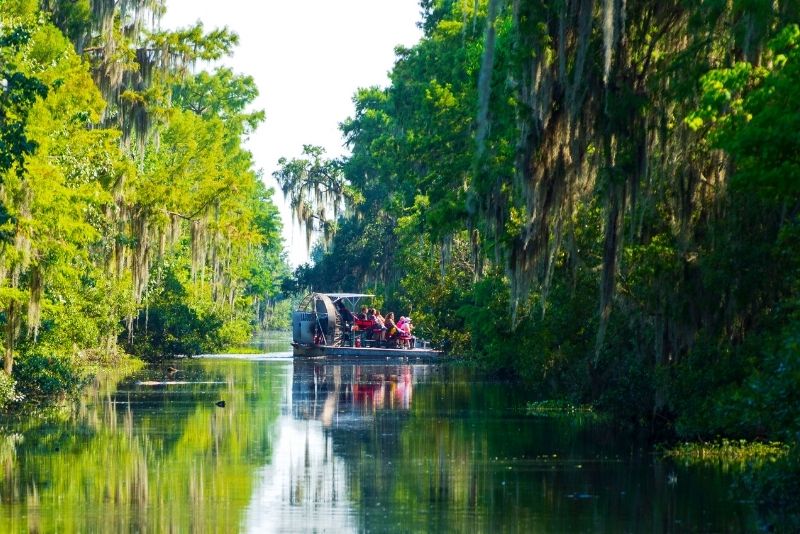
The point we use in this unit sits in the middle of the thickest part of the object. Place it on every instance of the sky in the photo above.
(307, 57)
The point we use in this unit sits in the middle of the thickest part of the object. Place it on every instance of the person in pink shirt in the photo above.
(405, 326)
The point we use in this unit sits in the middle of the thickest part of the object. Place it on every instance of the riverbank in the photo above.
(767, 474)
(728, 452)
(43, 384)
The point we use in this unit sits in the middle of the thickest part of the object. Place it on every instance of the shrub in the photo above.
(41, 374)
(8, 391)
(774, 487)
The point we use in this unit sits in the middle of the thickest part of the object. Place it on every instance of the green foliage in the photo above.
(84, 312)
(280, 316)
(728, 452)
(218, 94)
(316, 189)
(8, 392)
(773, 486)
(762, 399)
(750, 110)
(18, 92)
(172, 241)
(176, 327)
(618, 228)
(194, 43)
(41, 375)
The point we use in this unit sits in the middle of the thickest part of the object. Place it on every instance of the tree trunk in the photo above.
(8, 356)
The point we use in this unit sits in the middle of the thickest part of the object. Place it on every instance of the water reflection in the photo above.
(314, 446)
(351, 392)
(430, 448)
(145, 459)
(306, 486)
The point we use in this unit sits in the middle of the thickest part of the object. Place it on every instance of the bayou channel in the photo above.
(342, 447)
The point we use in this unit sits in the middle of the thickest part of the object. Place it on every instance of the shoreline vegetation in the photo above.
(241, 349)
(556, 408)
(727, 452)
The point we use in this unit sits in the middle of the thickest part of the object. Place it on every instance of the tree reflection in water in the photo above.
(304, 446)
(133, 457)
(432, 448)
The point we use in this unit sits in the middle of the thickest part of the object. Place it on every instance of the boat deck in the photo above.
(320, 351)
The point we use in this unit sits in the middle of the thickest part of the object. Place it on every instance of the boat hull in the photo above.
(366, 353)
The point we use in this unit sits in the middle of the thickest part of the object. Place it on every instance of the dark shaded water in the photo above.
(302, 446)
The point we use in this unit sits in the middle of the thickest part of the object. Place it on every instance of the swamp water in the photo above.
(314, 446)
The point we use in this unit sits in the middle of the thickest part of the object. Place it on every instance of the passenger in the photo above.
(380, 325)
(360, 328)
(370, 323)
(391, 327)
(347, 316)
(409, 325)
(404, 324)
(406, 327)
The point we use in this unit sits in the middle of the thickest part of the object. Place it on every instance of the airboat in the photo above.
(325, 325)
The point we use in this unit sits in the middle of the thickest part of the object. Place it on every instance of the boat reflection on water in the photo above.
(349, 394)
(310, 480)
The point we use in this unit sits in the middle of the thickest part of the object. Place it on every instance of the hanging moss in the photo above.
(313, 185)
(36, 287)
(199, 244)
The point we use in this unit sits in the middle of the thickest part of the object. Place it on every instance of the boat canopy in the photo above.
(347, 295)
(351, 299)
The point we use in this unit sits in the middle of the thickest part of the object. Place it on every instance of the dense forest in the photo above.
(132, 220)
(600, 197)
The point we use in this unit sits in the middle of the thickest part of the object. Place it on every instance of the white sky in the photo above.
(308, 57)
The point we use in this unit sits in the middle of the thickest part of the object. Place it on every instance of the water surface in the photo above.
(347, 447)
